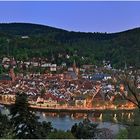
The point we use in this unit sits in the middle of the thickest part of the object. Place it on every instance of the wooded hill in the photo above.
(25, 40)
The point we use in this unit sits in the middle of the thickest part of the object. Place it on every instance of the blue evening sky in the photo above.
(89, 16)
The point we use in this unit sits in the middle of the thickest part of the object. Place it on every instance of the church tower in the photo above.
(75, 69)
(11, 73)
(74, 65)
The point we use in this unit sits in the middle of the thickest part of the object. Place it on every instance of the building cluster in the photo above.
(70, 88)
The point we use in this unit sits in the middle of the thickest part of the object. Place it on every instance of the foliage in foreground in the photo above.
(132, 128)
(5, 128)
(84, 130)
(123, 134)
(59, 134)
(25, 123)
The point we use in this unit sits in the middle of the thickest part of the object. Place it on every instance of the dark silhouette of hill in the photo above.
(25, 40)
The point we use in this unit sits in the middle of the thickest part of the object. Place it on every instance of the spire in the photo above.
(74, 64)
(75, 69)
(11, 72)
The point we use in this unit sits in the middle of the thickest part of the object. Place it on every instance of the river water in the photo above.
(64, 121)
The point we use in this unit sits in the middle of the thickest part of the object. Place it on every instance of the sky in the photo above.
(81, 16)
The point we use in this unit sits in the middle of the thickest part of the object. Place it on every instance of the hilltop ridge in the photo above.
(45, 41)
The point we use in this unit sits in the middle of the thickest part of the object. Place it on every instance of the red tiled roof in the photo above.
(49, 95)
(53, 97)
(87, 85)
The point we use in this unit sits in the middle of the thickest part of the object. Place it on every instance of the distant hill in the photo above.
(25, 40)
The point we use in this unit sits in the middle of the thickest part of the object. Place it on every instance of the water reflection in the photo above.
(101, 117)
(64, 121)
(129, 116)
(122, 115)
(115, 118)
(94, 117)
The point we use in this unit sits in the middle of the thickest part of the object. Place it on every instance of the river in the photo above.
(64, 121)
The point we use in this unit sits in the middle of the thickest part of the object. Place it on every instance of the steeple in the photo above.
(75, 69)
(11, 73)
(74, 64)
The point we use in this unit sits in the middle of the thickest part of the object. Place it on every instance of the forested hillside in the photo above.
(24, 41)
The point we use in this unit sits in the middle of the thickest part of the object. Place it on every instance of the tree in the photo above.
(25, 122)
(129, 86)
(1, 69)
(44, 129)
(5, 127)
(130, 90)
(42, 92)
(93, 47)
(133, 132)
(123, 134)
(84, 130)
(59, 134)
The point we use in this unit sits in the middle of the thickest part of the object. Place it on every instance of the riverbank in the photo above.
(70, 109)
(65, 120)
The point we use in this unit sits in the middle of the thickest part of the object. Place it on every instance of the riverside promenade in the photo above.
(70, 109)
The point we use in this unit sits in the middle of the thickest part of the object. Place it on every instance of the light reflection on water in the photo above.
(64, 121)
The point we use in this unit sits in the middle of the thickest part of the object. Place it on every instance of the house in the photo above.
(67, 56)
(8, 98)
(107, 77)
(100, 77)
(99, 96)
(5, 59)
(35, 64)
(70, 69)
(88, 67)
(80, 101)
(24, 37)
(109, 96)
(50, 100)
(6, 66)
(40, 100)
(27, 63)
(70, 75)
(45, 65)
(97, 77)
(53, 67)
(5, 79)
(64, 64)
(84, 76)
(87, 85)
(6, 62)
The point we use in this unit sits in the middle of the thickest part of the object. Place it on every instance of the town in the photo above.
(60, 87)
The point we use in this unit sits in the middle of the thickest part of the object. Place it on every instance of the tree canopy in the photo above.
(25, 122)
(24, 41)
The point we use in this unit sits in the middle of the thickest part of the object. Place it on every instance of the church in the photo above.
(72, 73)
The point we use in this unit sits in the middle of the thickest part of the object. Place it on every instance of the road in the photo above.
(67, 109)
